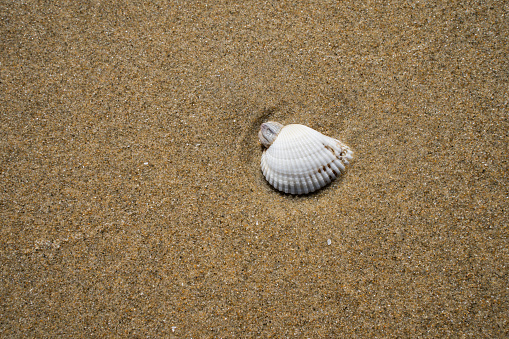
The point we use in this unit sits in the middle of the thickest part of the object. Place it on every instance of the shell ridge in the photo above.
(325, 159)
(340, 153)
(283, 169)
(293, 163)
(314, 155)
(307, 146)
(289, 181)
(299, 185)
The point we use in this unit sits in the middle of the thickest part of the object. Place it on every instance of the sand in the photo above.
(131, 199)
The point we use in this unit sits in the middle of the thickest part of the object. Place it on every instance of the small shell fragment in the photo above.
(300, 160)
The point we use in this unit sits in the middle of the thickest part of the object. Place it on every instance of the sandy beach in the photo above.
(131, 198)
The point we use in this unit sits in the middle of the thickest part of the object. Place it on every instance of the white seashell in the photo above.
(300, 160)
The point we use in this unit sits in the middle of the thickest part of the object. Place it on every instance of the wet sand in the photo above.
(133, 205)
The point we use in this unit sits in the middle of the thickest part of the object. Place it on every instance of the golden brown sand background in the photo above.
(132, 203)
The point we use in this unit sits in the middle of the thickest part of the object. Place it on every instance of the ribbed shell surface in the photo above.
(302, 160)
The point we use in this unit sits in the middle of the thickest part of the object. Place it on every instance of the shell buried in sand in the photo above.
(300, 160)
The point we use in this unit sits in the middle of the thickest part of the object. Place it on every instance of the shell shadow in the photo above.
(249, 149)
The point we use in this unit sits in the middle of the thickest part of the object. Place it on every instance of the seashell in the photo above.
(300, 160)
